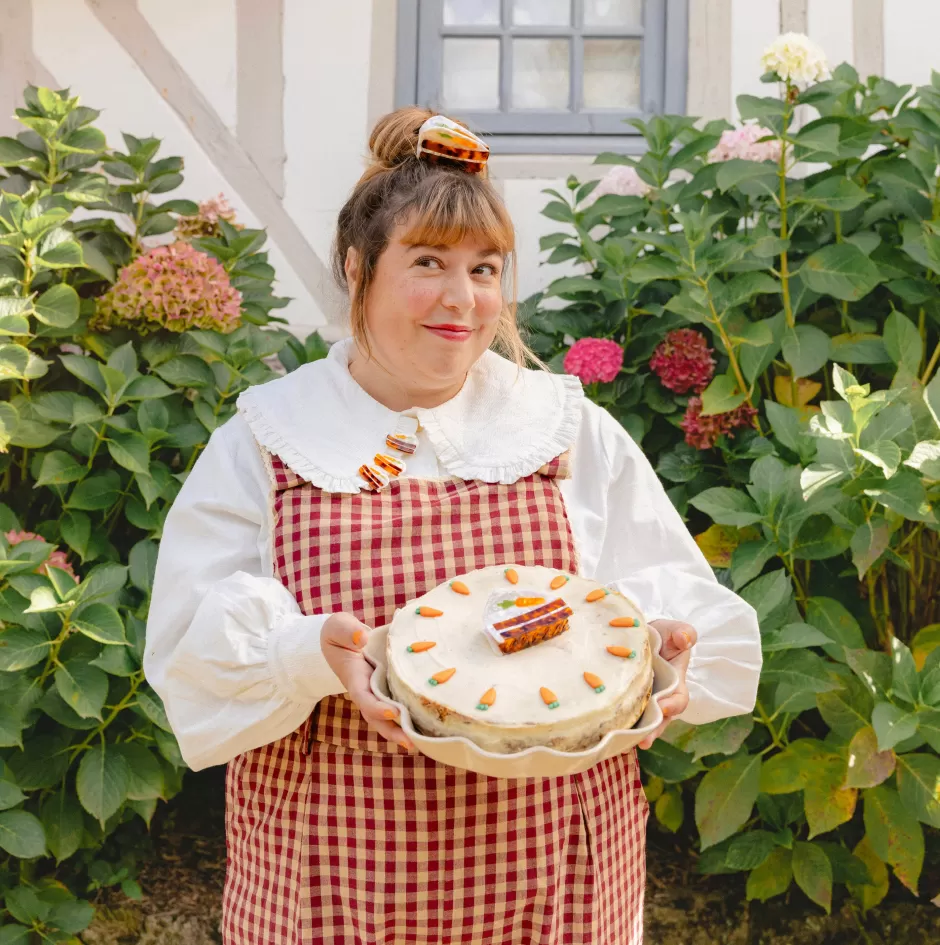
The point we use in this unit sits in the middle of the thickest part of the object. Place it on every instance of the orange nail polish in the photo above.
(357, 638)
(406, 745)
(391, 714)
(688, 639)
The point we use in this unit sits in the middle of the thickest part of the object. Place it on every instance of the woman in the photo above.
(288, 544)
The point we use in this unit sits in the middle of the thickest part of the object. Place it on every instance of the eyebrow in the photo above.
(443, 247)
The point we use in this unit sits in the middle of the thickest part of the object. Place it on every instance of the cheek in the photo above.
(489, 304)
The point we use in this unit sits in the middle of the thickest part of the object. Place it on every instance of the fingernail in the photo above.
(391, 713)
(406, 744)
(685, 636)
(357, 638)
(666, 713)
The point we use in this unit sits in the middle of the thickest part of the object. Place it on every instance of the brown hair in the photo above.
(443, 205)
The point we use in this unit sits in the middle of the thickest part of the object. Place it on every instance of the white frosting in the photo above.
(519, 717)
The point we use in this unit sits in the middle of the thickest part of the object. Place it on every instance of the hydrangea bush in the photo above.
(775, 295)
(119, 357)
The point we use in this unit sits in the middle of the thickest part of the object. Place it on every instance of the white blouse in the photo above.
(228, 650)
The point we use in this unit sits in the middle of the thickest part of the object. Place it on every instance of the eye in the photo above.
(429, 262)
(488, 269)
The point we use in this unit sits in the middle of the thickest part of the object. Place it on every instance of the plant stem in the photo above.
(931, 365)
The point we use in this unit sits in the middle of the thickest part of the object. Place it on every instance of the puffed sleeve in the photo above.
(632, 536)
(228, 650)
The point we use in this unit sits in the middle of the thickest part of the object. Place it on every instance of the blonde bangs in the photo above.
(445, 215)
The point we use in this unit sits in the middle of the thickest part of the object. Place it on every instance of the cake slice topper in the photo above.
(515, 620)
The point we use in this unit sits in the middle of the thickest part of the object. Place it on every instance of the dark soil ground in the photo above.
(183, 886)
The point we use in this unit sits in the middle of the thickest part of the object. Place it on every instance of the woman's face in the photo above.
(431, 311)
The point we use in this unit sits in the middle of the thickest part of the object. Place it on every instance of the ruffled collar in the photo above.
(503, 425)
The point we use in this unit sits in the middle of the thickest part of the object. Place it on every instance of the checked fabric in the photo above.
(337, 836)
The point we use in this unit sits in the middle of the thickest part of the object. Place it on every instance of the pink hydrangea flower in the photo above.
(594, 359)
(621, 179)
(175, 287)
(58, 558)
(683, 361)
(206, 221)
(745, 143)
(703, 432)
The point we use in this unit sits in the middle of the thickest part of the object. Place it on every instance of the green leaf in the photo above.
(903, 341)
(64, 255)
(925, 458)
(145, 780)
(21, 834)
(932, 398)
(837, 194)
(837, 624)
(748, 560)
(813, 873)
(725, 797)
(59, 468)
(101, 583)
(806, 349)
(9, 421)
(10, 794)
(723, 737)
(895, 834)
(100, 622)
(892, 724)
(670, 811)
(904, 493)
(736, 172)
(772, 877)
(871, 893)
(58, 306)
(96, 493)
(15, 935)
(799, 669)
(185, 370)
(859, 348)
(83, 687)
(152, 707)
(870, 541)
(102, 781)
(904, 684)
(661, 759)
(841, 270)
(64, 823)
(867, 766)
(793, 636)
(750, 849)
(771, 596)
(721, 396)
(919, 786)
(21, 648)
(71, 916)
(12, 152)
(143, 562)
(130, 449)
(727, 506)
(42, 763)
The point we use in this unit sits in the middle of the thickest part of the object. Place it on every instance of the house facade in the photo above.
(270, 101)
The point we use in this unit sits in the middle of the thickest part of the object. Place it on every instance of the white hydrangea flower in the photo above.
(796, 57)
(621, 179)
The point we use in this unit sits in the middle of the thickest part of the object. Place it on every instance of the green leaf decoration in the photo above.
(102, 781)
(725, 797)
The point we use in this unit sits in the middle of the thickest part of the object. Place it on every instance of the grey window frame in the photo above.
(663, 77)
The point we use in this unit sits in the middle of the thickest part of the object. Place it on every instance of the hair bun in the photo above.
(395, 136)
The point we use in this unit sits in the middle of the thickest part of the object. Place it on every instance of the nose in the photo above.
(458, 294)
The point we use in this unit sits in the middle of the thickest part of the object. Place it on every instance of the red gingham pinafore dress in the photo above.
(336, 836)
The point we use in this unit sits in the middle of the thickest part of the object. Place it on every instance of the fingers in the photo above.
(677, 637)
(381, 717)
(648, 741)
(345, 631)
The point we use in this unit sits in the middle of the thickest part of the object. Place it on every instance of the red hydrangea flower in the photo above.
(58, 558)
(703, 432)
(684, 361)
(594, 359)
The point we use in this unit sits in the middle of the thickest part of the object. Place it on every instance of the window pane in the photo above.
(613, 12)
(612, 73)
(471, 12)
(541, 13)
(540, 73)
(470, 73)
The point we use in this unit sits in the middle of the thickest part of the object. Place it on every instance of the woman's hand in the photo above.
(342, 640)
(678, 639)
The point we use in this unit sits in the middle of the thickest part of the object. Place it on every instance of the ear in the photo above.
(351, 267)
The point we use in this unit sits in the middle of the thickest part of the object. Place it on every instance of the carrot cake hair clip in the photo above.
(443, 141)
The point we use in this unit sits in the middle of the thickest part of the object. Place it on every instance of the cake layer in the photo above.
(565, 691)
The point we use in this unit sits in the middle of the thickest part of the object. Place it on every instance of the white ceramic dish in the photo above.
(538, 762)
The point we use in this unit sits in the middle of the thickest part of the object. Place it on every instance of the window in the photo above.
(557, 76)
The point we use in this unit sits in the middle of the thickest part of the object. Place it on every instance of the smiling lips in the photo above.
(450, 332)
